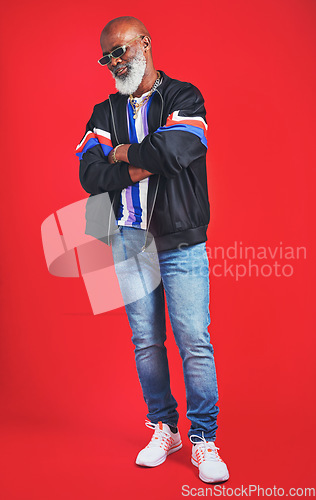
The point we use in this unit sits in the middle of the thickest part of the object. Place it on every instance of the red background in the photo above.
(72, 410)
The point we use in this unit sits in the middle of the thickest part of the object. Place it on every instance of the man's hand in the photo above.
(120, 153)
(136, 174)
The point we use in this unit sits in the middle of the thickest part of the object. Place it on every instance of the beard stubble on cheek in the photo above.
(128, 82)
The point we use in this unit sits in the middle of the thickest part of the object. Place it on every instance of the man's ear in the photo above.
(147, 42)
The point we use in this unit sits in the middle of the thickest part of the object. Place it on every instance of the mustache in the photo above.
(118, 67)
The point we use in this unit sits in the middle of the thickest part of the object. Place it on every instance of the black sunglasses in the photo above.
(118, 52)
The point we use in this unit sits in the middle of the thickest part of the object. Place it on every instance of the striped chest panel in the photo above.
(133, 203)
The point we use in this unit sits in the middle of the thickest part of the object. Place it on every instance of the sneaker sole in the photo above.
(204, 479)
(163, 459)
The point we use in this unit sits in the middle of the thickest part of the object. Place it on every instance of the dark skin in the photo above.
(115, 34)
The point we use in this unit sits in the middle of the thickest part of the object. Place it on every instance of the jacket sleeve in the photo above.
(96, 174)
(179, 142)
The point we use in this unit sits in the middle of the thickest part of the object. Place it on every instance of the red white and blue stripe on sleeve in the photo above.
(94, 138)
(193, 124)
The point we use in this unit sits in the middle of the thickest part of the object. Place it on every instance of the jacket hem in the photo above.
(182, 238)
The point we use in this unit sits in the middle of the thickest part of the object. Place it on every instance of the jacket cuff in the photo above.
(133, 155)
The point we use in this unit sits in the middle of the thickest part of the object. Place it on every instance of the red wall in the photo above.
(72, 410)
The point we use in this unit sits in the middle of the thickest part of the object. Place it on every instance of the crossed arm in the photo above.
(121, 154)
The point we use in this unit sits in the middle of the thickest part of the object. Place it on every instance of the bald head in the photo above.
(124, 25)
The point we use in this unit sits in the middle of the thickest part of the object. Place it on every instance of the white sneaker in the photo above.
(162, 443)
(205, 456)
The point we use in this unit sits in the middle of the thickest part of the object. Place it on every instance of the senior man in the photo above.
(146, 146)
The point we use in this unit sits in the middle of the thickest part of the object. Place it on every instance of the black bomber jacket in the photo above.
(174, 149)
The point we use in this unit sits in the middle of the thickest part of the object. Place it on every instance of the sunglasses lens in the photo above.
(118, 52)
(104, 60)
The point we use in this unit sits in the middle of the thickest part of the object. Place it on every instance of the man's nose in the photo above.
(115, 61)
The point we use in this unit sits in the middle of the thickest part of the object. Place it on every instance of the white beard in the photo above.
(128, 84)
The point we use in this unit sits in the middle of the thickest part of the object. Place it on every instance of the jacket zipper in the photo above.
(157, 185)
(112, 203)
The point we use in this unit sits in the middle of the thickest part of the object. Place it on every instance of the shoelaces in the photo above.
(160, 437)
(205, 450)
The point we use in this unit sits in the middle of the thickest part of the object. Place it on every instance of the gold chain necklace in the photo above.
(137, 105)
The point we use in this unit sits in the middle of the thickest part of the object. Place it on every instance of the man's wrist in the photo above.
(119, 153)
(114, 157)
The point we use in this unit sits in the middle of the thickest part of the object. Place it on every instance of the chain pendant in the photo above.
(135, 105)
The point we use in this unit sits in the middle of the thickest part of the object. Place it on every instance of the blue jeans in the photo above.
(184, 281)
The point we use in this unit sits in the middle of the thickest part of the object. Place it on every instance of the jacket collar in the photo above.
(119, 104)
